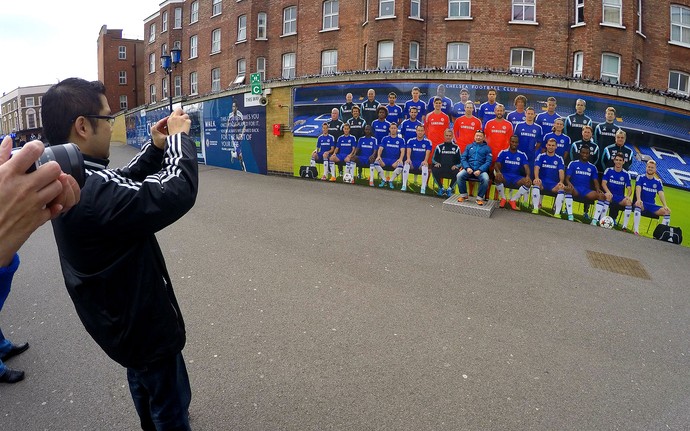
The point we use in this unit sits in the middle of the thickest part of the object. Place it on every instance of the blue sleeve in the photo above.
(6, 275)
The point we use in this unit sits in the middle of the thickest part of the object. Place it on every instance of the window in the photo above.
(524, 11)
(215, 41)
(152, 63)
(178, 18)
(242, 28)
(329, 62)
(122, 52)
(610, 68)
(152, 94)
(458, 56)
(31, 119)
(415, 9)
(385, 58)
(330, 14)
(289, 65)
(177, 86)
(215, 80)
(194, 12)
(522, 60)
(193, 88)
(612, 14)
(678, 82)
(289, 20)
(639, 17)
(217, 7)
(241, 71)
(164, 49)
(638, 72)
(680, 24)
(164, 21)
(578, 60)
(123, 77)
(386, 8)
(29, 101)
(414, 55)
(261, 26)
(152, 32)
(459, 8)
(261, 67)
(579, 12)
(193, 46)
(366, 11)
(123, 102)
(164, 88)
(177, 44)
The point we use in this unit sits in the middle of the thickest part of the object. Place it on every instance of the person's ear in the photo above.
(81, 127)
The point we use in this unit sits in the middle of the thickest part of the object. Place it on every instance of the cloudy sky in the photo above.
(43, 41)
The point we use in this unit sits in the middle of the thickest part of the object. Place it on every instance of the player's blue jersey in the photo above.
(421, 108)
(516, 117)
(380, 129)
(581, 174)
(528, 137)
(512, 163)
(562, 143)
(616, 181)
(546, 120)
(345, 144)
(486, 112)
(418, 147)
(408, 129)
(367, 147)
(459, 110)
(549, 167)
(650, 188)
(391, 147)
(324, 143)
(394, 114)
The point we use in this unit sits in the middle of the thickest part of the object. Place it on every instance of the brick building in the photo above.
(634, 42)
(20, 113)
(121, 69)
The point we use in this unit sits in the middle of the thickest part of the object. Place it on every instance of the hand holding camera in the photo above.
(176, 123)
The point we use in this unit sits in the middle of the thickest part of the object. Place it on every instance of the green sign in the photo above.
(255, 82)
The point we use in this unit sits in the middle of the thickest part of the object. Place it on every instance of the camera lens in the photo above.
(68, 157)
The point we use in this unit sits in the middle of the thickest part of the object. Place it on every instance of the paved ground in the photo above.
(318, 306)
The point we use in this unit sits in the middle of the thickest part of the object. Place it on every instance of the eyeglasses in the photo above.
(110, 118)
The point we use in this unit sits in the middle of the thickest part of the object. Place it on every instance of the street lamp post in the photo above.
(168, 63)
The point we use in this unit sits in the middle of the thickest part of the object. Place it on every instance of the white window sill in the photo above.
(579, 24)
(261, 38)
(523, 22)
(608, 24)
(241, 42)
(458, 18)
(678, 92)
(192, 58)
(639, 33)
(215, 53)
(673, 42)
(365, 23)
(288, 34)
(379, 18)
(415, 18)
(326, 30)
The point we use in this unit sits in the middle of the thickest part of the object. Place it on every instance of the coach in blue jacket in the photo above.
(476, 160)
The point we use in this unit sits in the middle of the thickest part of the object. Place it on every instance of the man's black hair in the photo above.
(64, 102)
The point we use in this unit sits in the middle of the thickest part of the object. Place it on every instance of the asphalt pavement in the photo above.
(318, 306)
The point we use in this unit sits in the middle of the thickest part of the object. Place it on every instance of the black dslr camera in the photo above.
(67, 156)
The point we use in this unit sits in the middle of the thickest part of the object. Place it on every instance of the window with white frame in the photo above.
(193, 86)
(241, 71)
(639, 16)
(289, 20)
(366, 11)
(330, 14)
(215, 41)
(678, 82)
(152, 94)
(459, 8)
(217, 7)
(31, 119)
(578, 62)
(457, 55)
(123, 102)
(122, 52)
(680, 24)
(193, 44)
(261, 67)
(178, 18)
(29, 101)
(164, 49)
(242, 28)
(152, 63)
(522, 60)
(385, 55)
(579, 12)
(638, 72)
(194, 12)
(177, 44)
(329, 62)
(524, 11)
(164, 88)
(611, 68)
(416, 9)
(414, 55)
(177, 86)
(261, 26)
(164, 21)
(289, 62)
(122, 77)
(215, 80)
(612, 12)
(152, 32)
(386, 8)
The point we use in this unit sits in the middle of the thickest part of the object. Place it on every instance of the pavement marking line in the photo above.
(617, 264)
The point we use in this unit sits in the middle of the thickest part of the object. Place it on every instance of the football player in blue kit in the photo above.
(547, 119)
(324, 147)
(380, 127)
(486, 109)
(391, 153)
(549, 176)
(344, 148)
(518, 115)
(530, 135)
(617, 188)
(408, 129)
(512, 170)
(416, 102)
(417, 153)
(366, 152)
(583, 179)
(647, 187)
(395, 114)
(563, 141)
